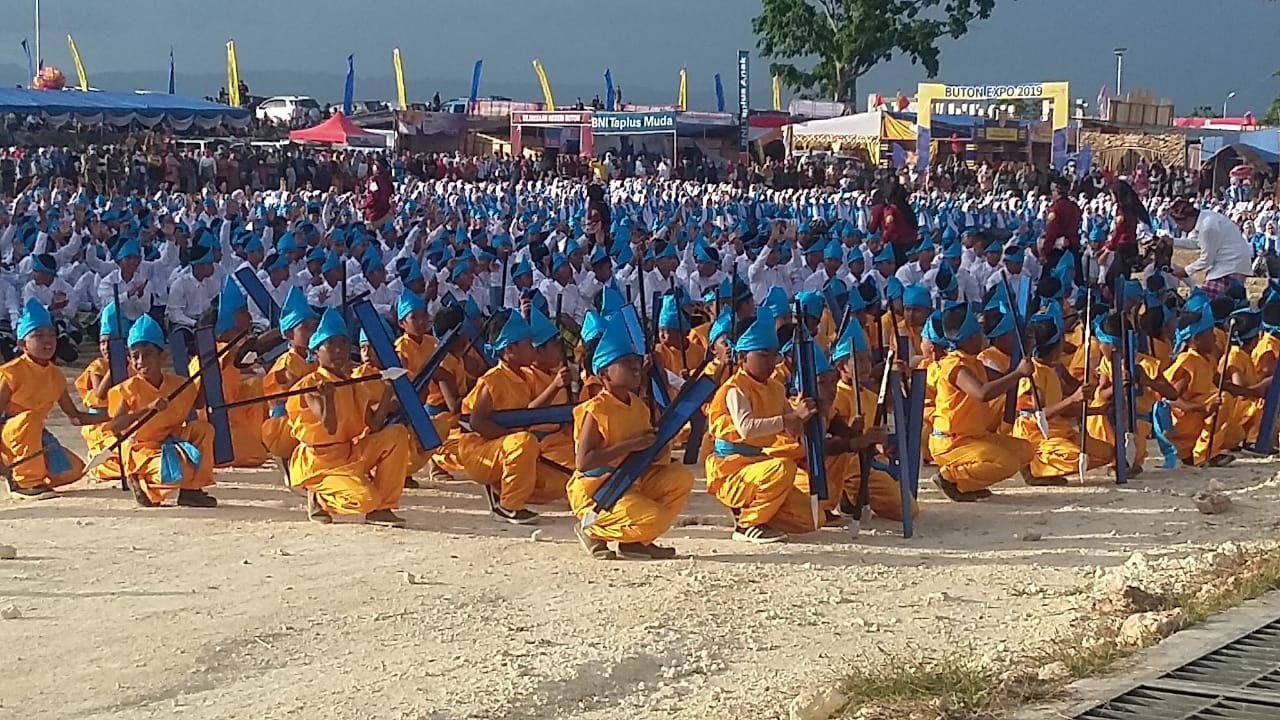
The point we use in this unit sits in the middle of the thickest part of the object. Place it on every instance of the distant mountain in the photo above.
(327, 87)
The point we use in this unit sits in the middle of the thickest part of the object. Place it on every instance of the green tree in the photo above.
(1273, 113)
(1204, 111)
(841, 40)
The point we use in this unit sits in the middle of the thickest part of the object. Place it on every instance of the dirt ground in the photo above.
(248, 611)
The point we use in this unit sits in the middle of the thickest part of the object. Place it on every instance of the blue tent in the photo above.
(59, 107)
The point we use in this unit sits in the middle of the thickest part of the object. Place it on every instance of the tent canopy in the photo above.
(865, 124)
(93, 107)
(336, 129)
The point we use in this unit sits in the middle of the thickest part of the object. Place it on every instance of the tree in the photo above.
(844, 39)
(1273, 112)
(1204, 111)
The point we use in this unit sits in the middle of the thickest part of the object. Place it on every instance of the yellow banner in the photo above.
(233, 75)
(546, 86)
(682, 101)
(404, 99)
(777, 94)
(75, 57)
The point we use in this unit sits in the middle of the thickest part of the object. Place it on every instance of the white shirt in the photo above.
(573, 303)
(762, 277)
(190, 298)
(45, 293)
(1223, 250)
(132, 305)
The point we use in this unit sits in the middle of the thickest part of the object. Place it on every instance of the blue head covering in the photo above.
(295, 310)
(885, 255)
(1101, 334)
(852, 340)
(543, 330)
(201, 254)
(331, 262)
(614, 345)
(701, 254)
(994, 247)
(932, 331)
(916, 296)
(811, 303)
(834, 251)
(610, 300)
(968, 328)
(1053, 339)
(407, 303)
(777, 303)
(721, 326)
(286, 243)
(1247, 326)
(513, 331)
(330, 326)
(128, 248)
(1014, 254)
(821, 363)
(1006, 321)
(592, 326)
(229, 302)
(34, 316)
(952, 251)
(761, 335)
(893, 289)
(275, 262)
(670, 316)
(39, 263)
(110, 317)
(146, 330)
(521, 268)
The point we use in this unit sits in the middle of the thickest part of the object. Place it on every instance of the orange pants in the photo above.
(510, 463)
(358, 477)
(23, 435)
(142, 461)
(771, 491)
(977, 462)
(96, 439)
(844, 477)
(645, 510)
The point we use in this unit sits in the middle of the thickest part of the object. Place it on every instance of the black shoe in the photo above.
(954, 493)
(758, 534)
(515, 517)
(39, 492)
(385, 518)
(1051, 481)
(411, 484)
(491, 496)
(316, 512)
(597, 549)
(847, 507)
(657, 552)
(633, 551)
(124, 485)
(1221, 460)
(832, 520)
(196, 499)
(1135, 471)
(139, 495)
(1251, 451)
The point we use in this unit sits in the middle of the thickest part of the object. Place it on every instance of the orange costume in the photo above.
(97, 437)
(167, 453)
(34, 390)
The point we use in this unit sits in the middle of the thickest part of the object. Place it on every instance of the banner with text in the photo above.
(633, 123)
(744, 100)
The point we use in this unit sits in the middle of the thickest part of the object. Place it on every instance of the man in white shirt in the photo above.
(193, 290)
(1225, 255)
(128, 281)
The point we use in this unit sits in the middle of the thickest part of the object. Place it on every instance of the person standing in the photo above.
(1224, 253)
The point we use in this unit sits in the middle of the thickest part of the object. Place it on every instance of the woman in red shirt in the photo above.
(377, 199)
(1122, 245)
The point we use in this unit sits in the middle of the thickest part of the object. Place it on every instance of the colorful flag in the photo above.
(171, 78)
(233, 75)
(400, 91)
(683, 100)
(902, 102)
(777, 94)
(546, 86)
(475, 83)
(348, 92)
(1103, 103)
(75, 57)
(878, 102)
(31, 65)
(719, 94)
(608, 90)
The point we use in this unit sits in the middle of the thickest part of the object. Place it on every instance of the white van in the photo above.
(291, 110)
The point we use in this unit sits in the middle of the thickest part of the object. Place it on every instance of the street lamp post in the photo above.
(39, 57)
(1224, 102)
(1119, 68)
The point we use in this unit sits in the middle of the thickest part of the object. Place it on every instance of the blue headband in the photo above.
(968, 328)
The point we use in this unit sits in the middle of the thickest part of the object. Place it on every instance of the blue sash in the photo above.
(277, 409)
(725, 448)
(55, 456)
(172, 452)
(1162, 429)
(599, 471)
(434, 410)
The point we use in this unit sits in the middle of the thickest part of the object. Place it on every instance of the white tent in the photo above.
(865, 124)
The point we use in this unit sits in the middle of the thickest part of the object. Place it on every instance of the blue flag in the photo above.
(349, 92)
(31, 65)
(608, 90)
(475, 81)
(719, 94)
(1084, 160)
(171, 92)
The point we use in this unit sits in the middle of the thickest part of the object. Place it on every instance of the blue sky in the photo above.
(1194, 52)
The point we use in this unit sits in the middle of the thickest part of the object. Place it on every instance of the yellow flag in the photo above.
(404, 100)
(75, 57)
(233, 75)
(777, 94)
(546, 87)
(683, 102)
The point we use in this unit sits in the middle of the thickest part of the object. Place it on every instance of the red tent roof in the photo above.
(336, 129)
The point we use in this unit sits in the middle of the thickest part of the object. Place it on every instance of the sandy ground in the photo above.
(248, 611)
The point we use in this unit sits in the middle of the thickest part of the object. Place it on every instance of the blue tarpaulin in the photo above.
(94, 107)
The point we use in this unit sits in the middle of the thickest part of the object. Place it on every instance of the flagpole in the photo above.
(39, 57)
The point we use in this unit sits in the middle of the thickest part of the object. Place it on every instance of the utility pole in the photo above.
(1120, 69)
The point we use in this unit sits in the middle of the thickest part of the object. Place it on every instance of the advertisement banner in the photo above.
(417, 122)
(633, 123)
(744, 99)
(550, 118)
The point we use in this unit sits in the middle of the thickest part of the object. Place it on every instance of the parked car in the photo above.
(369, 107)
(291, 110)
